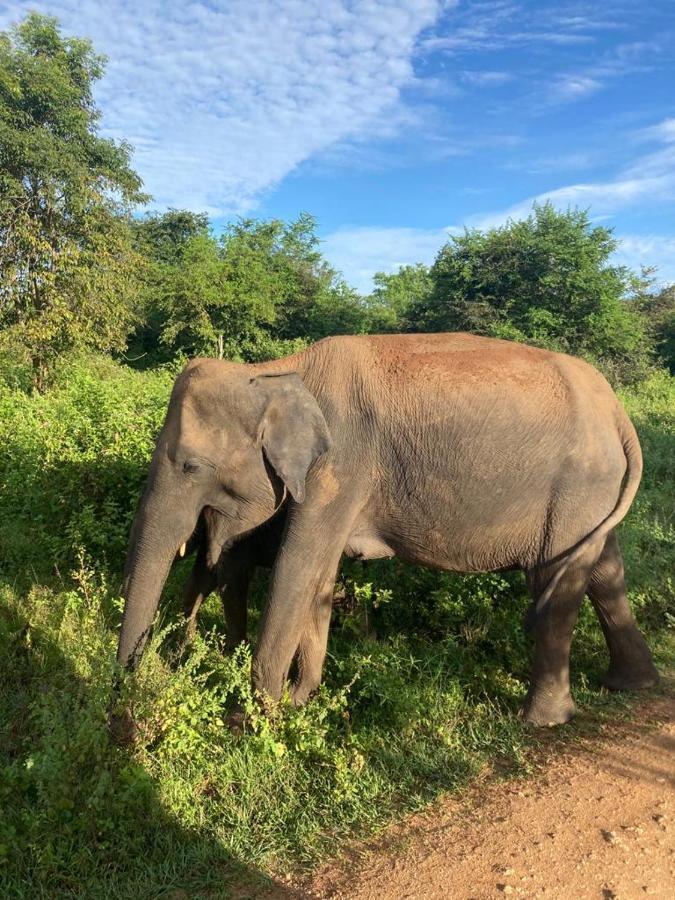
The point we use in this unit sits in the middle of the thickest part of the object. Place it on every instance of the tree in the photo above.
(67, 268)
(546, 280)
(161, 240)
(315, 301)
(163, 237)
(659, 310)
(394, 296)
(262, 290)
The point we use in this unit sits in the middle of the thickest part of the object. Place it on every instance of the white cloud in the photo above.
(603, 198)
(556, 163)
(649, 180)
(573, 87)
(619, 62)
(649, 250)
(500, 24)
(360, 252)
(485, 78)
(223, 99)
(664, 131)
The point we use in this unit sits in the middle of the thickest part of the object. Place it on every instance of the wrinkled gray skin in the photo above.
(454, 451)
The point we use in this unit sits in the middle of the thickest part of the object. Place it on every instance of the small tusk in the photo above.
(181, 550)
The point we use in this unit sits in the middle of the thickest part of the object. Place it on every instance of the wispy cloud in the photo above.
(361, 252)
(485, 78)
(573, 87)
(623, 60)
(603, 198)
(657, 250)
(479, 26)
(557, 163)
(649, 180)
(664, 131)
(222, 99)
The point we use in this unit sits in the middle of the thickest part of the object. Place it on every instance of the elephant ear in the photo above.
(292, 430)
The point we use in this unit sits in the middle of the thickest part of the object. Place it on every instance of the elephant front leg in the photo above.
(297, 613)
(311, 651)
(234, 577)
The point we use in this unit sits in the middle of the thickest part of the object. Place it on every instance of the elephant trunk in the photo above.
(155, 539)
(142, 591)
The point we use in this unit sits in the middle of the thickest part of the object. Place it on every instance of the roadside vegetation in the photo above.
(99, 308)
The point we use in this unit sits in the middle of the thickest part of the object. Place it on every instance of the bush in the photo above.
(546, 280)
(73, 462)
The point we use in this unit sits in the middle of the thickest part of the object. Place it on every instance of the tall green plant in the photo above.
(395, 294)
(67, 269)
(260, 290)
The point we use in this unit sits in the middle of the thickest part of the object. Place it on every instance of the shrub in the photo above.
(73, 462)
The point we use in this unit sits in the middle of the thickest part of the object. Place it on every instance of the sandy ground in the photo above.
(597, 821)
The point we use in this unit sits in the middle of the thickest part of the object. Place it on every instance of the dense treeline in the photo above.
(99, 306)
(80, 268)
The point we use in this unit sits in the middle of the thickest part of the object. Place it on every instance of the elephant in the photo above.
(456, 451)
(229, 571)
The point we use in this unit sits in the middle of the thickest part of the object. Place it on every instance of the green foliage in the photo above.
(659, 310)
(67, 270)
(163, 238)
(425, 670)
(424, 676)
(72, 464)
(395, 294)
(545, 280)
(262, 289)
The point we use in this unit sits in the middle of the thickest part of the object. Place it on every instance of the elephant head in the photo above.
(236, 439)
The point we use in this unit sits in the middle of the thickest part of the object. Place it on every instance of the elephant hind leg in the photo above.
(630, 662)
(549, 700)
(530, 617)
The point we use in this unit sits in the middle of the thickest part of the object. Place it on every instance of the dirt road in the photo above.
(596, 822)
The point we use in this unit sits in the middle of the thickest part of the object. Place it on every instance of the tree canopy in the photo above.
(659, 310)
(66, 262)
(78, 271)
(395, 294)
(262, 288)
(547, 280)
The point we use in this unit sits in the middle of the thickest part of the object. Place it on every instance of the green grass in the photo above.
(425, 674)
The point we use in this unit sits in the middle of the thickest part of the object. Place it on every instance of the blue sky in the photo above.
(394, 122)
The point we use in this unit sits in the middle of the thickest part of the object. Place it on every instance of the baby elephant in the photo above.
(228, 570)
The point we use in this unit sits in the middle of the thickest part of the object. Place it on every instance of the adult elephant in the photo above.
(450, 450)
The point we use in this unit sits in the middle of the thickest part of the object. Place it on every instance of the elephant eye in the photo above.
(190, 467)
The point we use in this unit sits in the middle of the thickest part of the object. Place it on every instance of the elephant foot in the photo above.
(545, 707)
(629, 678)
(236, 721)
(232, 644)
(124, 731)
(301, 693)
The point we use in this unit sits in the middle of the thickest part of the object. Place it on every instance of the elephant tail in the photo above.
(629, 488)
